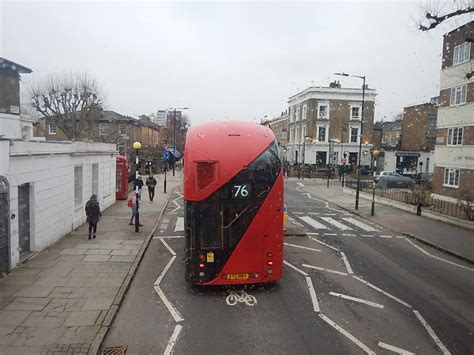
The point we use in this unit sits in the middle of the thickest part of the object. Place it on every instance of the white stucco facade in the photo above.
(56, 197)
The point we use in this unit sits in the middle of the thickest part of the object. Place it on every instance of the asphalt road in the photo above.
(403, 296)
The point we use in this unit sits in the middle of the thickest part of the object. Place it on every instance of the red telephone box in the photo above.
(121, 187)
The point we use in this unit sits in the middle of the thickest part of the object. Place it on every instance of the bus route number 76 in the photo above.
(240, 191)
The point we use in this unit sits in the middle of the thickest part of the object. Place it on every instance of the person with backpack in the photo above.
(93, 215)
(151, 183)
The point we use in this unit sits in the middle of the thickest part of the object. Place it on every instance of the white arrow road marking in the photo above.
(394, 349)
(382, 291)
(432, 333)
(179, 224)
(359, 224)
(355, 299)
(299, 246)
(174, 338)
(347, 334)
(346, 263)
(313, 223)
(324, 269)
(336, 224)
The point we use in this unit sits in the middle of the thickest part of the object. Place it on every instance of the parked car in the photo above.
(394, 181)
(424, 179)
(387, 173)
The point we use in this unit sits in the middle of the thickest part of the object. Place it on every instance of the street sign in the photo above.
(166, 155)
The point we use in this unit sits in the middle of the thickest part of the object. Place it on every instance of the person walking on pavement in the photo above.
(133, 204)
(138, 182)
(93, 214)
(151, 183)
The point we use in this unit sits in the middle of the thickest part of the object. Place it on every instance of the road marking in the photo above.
(242, 297)
(169, 237)
(174, 338)
(168, 247)
(347, 334)
(330, 234)
(367, 235)
(297, 213)
(312, 233)
(336, 224)
(164, 223)
(355, 299)
(432, 333)
(300, 184)
(325, 244)
(299, 246)
(437, 257)
(348, 235)
(292, 220)
(312, 293)
(177, 208)
(394, 349)
(382, 291)
(359, 224)
(179, 224)
(324, 269)
(400, 237)
(295, 268)
(174, 312)
(385, 236)
(313, 223)
(179, 194)
(346, 262)
(165, 270)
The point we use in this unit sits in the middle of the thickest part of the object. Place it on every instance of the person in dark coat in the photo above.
(138, 183)
(151, 183)
(93, 214)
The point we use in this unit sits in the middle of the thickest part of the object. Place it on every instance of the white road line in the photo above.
(347, 334)
(179, 194)
(324, 269)
(359, 224)
(382, 291)
(165, 270)
(169, 237)
(432, 333)
(355, 299)
(313, 223)
(367, 235)
(292, 220)
(295, 268)
(168, 247)
(331, 234)
(385, 236)
(348, 235)
(336, 224)
(179, 227)
(346, 262)
(437, 257)
(172, 342)
(177, 208)
(312, 233)
(394, 349)
(300, 184)
(312, 293)
(174, 312)
(297, 213)
(325, 244)
(299, 246)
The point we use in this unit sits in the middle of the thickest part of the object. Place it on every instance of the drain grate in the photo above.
(115, 350)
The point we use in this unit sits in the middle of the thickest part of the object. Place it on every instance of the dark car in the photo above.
(424, 179)
(392, 181)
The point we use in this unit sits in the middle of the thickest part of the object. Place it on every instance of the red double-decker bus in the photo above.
(233, 193)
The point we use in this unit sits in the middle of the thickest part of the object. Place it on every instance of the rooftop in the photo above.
(5, 63)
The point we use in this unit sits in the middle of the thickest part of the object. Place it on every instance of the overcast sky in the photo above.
(237, 60)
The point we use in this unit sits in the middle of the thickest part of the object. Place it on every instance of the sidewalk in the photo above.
(63, 300)
(454, 240)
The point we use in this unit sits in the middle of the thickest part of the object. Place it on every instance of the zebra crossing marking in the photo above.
(359, 224)
(336, 223)
(313, 223)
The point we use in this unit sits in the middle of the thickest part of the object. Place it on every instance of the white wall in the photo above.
(49, 169)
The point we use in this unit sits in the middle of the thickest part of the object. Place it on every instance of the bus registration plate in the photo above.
(237, 276)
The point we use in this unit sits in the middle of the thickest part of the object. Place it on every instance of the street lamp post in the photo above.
(360, 135)
(137, 146)
(375, 154)
(343, 160)
(174, 131)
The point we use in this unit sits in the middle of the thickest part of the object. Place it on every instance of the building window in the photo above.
(303, 135)
(431, 124)
(123, 129)
(322, 134)
(354, 135)
(458, 95)
(95, 179)
(297, 138)
(292, 135)
(451, 177)
(323, 111)
(355, 113)
(52, 128)
(78, 186)
(462, 53)
(304, 112)
(103, 128)
(455, 136)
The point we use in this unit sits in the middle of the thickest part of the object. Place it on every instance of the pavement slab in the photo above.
(33, 291)
(82, 318)
(27, 304)
(12, 318)
(123, 258)
(101, 303)
(96, 258)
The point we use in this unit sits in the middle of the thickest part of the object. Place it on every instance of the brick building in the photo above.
(419, 127)
(279, 126)
(454, 153)
(391, 133)
(325, 124)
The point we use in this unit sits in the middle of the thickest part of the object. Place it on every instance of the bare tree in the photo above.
(70, 101)
(435, 13)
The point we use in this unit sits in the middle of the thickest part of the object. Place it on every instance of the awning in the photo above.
(406, 153)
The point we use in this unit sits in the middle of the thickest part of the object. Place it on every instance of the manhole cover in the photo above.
(115, 350)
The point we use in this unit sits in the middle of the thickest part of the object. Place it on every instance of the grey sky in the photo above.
(239, 60)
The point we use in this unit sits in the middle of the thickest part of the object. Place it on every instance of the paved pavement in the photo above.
(63, 300)
(454, 240)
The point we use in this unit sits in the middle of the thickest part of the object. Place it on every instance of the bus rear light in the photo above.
(269, 271)
(270, 263)
(269, 254)
(201, 274)
(254, 276)
(201, 265)
(202, 257)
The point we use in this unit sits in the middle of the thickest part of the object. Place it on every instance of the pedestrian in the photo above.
(133, 203)
(138, 183)
(93, 214)
(151, 183)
